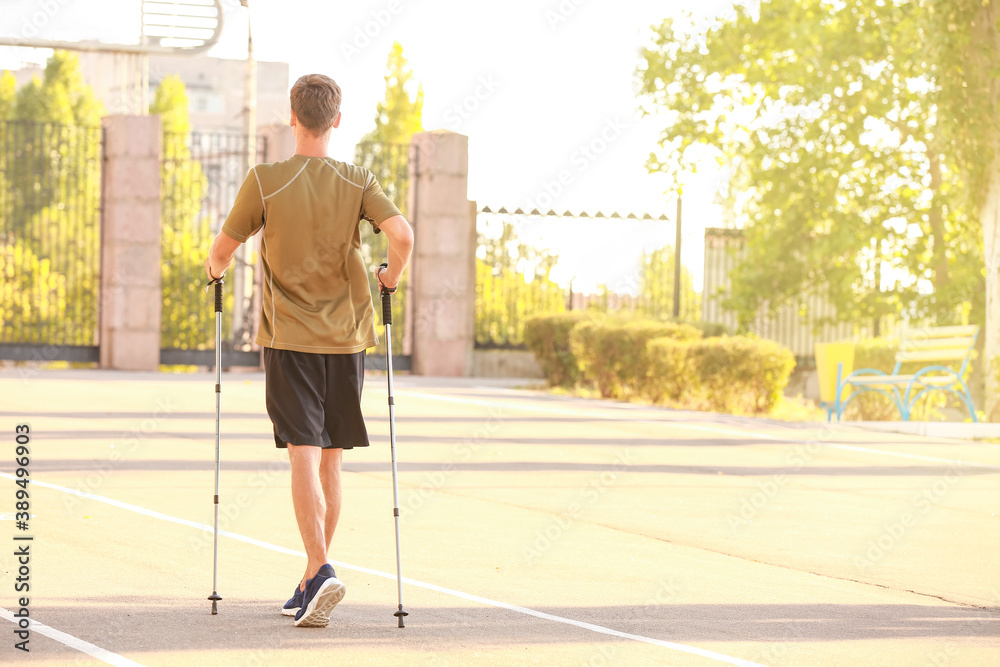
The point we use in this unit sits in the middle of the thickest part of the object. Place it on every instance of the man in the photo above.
(317, 317)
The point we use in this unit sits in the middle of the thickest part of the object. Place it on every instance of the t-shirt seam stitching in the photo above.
(260, 188)
(288, 183)
(269, 276)
(346, 180)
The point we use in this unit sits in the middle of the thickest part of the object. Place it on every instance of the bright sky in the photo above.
(542, 88)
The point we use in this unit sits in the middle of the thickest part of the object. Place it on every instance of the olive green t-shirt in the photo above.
(316, 295)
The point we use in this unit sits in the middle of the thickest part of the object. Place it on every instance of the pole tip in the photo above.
(215, 597)
(399, 615)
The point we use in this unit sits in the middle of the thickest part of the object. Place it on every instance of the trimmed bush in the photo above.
(612, 355)
(582, 339)
(661, 361)
(740, 375)
(669, 378)
(712, 329)
(547, 336)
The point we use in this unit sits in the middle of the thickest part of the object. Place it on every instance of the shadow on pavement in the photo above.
(187, 465)
(142, 624)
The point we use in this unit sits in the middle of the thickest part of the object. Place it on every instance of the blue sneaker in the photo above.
(293, 604)
(322, 594)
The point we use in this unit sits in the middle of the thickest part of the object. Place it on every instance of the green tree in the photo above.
(32, 294)
(8, 95)
(8, 99)
(656, 287)
(49, 203)
(961, 41)
(186, 234)
(399, 116)
(171, 103)
(385, 152)
(53, 136)
(513, 283)
(825, 115)
(61, 96)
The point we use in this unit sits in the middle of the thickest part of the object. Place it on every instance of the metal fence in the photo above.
(390, 163)
(201, 174)
(533, 263)
(798, 326)
(50, 194)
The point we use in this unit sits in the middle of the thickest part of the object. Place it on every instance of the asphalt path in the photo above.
(536, 529)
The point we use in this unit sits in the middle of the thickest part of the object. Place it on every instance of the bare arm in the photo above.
(220, 256)
(400, 236)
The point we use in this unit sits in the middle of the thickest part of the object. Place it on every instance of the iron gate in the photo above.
(50, 196)
(201, 173)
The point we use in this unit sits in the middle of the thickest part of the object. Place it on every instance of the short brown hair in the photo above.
(316, 102)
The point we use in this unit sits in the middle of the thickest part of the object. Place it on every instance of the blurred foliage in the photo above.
(49, 205)
(663, 362)
(830, 119)
(513, 283)
(399, 116)
(8, 95)
(611, 352)
(711, 329)
(739, 375)
(668, 379)
(187, 319)
(548, 337)
(385, 152)
(656, 287)
(30, 291)
(61, 96)
(876, 354)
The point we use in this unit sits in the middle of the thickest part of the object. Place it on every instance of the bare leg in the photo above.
(310, 503)
(329, 476)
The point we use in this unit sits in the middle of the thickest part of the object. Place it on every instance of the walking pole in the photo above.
(215, 597)
(387, 321)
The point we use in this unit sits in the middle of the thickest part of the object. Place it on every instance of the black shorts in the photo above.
(315, 399)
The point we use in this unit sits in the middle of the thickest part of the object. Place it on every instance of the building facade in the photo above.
(215, 86)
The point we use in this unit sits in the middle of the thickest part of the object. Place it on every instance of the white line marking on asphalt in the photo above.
(491, 404)
(71, 641)
(385, 575)
(905, 455)
(837, 445)
(705, 429)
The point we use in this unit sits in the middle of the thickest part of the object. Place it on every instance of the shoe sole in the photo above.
(317, 614)
(285, 611)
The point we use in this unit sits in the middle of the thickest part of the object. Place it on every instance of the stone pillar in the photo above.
(443, 280)
(130, 244)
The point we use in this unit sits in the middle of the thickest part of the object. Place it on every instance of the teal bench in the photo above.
(947, 350)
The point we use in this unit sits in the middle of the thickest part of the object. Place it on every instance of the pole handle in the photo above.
(218, 282)
(386, 299)
(218, 296)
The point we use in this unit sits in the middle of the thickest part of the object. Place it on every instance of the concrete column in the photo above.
(443, 280)
(130, 244)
